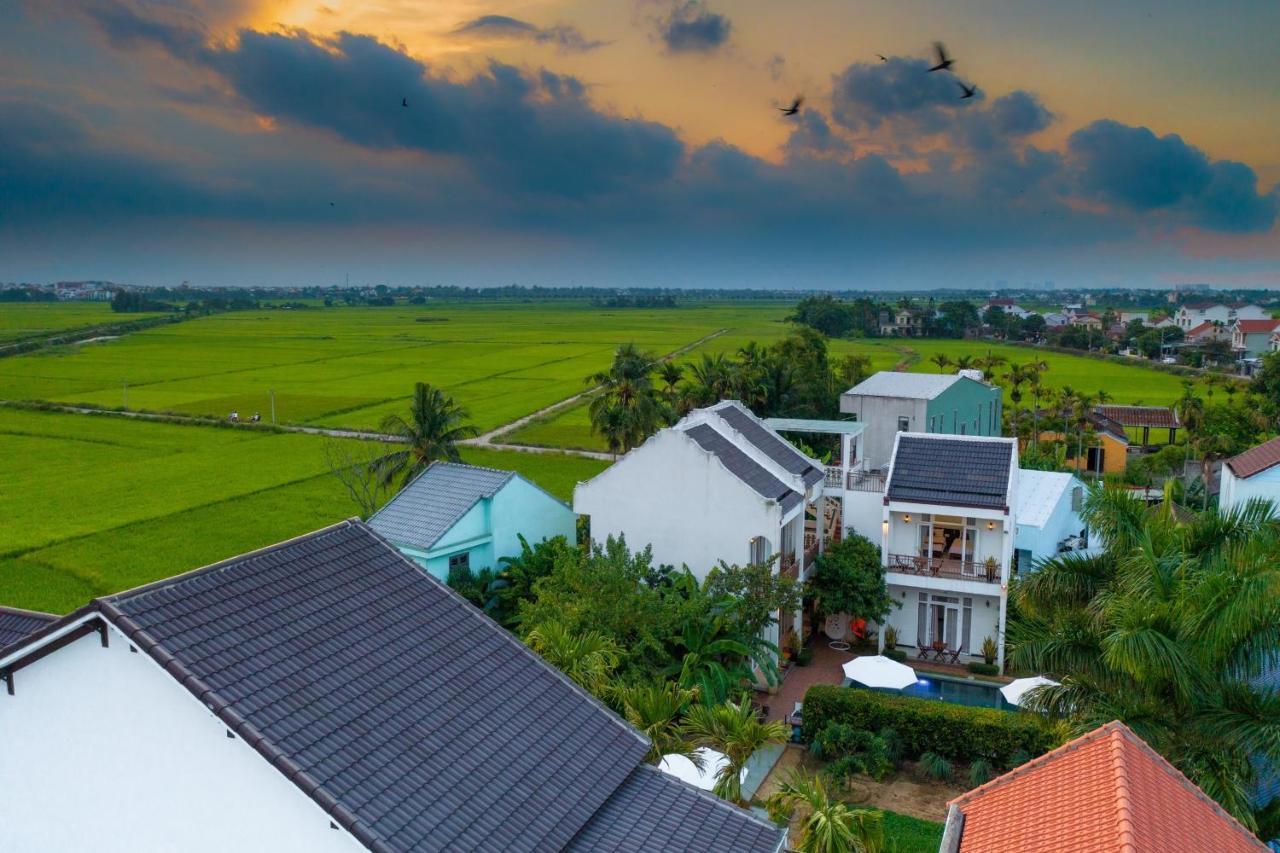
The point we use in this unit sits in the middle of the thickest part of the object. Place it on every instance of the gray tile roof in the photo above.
(434, 501)
(917, 386)
(951, 471)
(18, 624)
(744, 467)
(652, 811)
(779, 451)
(378, 689)
(412, 719)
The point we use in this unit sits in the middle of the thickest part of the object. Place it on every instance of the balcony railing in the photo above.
(789, 568)
(857, 481)
(943, 567)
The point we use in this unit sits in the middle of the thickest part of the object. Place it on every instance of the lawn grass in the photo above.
(92, 505)
(906, 834)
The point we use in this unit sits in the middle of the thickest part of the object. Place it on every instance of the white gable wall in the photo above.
(673, 495)
(1235, 491)
(104, 751)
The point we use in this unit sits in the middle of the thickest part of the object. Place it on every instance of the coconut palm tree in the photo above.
(829, 825)
(628, 408)
(964, 362)
(942, 360)
(1163, 630)
(657, 710)
(710, 379)
(589, 658)
(432, 431)
(670, 373)
(734, 730)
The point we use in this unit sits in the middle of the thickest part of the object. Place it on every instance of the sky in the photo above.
(623, 143)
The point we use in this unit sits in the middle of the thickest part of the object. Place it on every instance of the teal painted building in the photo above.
(948, 404)
(454, 515)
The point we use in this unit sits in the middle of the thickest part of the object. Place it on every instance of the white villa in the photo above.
(1252, 474)
(1194, 313)
(719, 485)
(954, 516)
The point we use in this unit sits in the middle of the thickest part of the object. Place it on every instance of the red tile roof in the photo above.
(1250, 327)
(1105, 791)
(1141, 416)
(1203, 327)
(1255, 460)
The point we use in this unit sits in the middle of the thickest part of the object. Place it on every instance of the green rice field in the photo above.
(92, 504)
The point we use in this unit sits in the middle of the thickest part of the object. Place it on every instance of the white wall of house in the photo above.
(1041, 542)
(104, 751)
(863, 513)
(1235, 491)
(984, 616)
(881, 415)
(676, 497)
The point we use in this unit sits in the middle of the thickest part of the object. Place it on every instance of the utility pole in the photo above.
(273, 405)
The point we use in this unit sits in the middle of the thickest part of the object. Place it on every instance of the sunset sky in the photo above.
(637, 142)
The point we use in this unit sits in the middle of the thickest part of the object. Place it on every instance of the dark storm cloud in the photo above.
(690, 27)
(866, 95)
(563, 37)
(1134, 168)
(812, 135)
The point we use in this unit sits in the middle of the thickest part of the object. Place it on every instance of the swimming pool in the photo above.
(946, 688)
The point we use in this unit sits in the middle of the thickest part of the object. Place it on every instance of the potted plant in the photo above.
(992, 566)
(989, 651)
(890, 638)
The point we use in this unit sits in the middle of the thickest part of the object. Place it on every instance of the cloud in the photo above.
(812, 135)
(1003, 121)
(866, 95)
(1132, 167)
(690, 27)
(565, 38)
(776, 66)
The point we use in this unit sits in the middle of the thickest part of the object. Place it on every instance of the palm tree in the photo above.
(628, 409)
(670, 373)
(989, 362)
(710, 379)
(656, 710)
(1163, 630)
(942, 360)
(736, 731)
(829, 825)
(964, 362)
(432, 431)
(588, 658)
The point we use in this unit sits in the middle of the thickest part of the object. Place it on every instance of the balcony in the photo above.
(857, 481)
(789, 568)
(942, 567)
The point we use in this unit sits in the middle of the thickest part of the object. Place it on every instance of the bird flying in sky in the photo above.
(404, 102)
(944, 62)
(794, 108)
(968, 90)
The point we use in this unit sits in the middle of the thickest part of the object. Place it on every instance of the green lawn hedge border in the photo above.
(958, 732)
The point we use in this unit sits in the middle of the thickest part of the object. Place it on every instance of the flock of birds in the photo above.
(943, 63)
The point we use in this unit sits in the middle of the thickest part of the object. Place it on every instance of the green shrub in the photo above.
(896, 654)
(935, 766)
(805, 656)
(1017, 758)
(956, 732)
(980, 668)
(980, 772)
(851, 751)
(990, 651)
(890, 637)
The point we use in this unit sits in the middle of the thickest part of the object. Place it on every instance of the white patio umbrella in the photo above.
(685, 770)
(880, 671)
(1019, 687)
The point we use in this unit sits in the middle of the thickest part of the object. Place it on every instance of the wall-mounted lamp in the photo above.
(884, 527)
(906, 516)
(991, 525)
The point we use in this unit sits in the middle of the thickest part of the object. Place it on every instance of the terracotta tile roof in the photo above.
(1256, 459)
(1140, 416)
(1203, 328)
(1105, 791)
(1253, 327)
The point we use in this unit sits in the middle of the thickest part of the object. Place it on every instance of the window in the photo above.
(1077, 498)
(933, 423)
(904, 423)
(759, 550)
(962, 428)
(460, 562)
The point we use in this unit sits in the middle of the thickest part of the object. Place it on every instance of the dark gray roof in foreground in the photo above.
(779, 451)
(18, 624)
(744, 467)
(412, 719)
(951, 471)
(434, 501)
(420, 718)
(652, 811)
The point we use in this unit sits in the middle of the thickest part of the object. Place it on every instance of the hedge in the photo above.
(957, 732)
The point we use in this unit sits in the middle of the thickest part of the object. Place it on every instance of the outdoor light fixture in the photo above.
(991, 525)
(906, 516)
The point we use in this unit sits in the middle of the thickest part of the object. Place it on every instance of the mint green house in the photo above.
(891, 402)
(453, 515)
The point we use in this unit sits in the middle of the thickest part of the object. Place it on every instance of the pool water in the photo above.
(958, 691)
